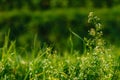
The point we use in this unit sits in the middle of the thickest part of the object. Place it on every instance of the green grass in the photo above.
(97, 63)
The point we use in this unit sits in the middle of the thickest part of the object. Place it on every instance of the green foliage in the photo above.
(53, 27)
(43, 63)
(6, 5)
(49, 26)
(98, 63)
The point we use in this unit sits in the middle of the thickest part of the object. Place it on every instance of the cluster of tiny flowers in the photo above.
(97, 62)
(95, 42)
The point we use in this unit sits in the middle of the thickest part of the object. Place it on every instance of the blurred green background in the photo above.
(50, 20)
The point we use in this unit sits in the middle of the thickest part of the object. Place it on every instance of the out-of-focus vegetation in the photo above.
(51, 19)
(49, 40)
(43, 63)
(50, 4)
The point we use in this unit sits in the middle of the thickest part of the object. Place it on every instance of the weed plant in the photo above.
(97, 62)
